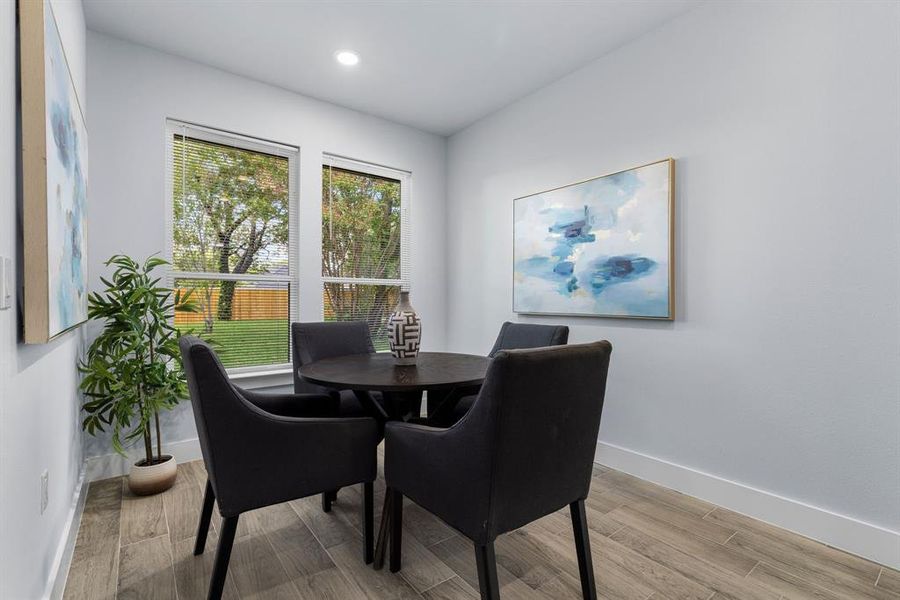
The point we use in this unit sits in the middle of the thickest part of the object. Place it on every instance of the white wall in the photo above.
(134, 89)
(781, 370)
(39, 422)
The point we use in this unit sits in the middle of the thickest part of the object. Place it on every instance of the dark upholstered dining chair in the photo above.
(255, 457)
(319, 340)
(519, 336)
(525, 450)
(512, 336)
(316, 341)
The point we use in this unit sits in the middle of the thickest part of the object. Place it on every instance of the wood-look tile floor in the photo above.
(648, 543)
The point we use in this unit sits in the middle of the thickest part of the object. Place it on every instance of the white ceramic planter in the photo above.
(153, 479)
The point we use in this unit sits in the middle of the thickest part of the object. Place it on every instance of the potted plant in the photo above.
(133, 368)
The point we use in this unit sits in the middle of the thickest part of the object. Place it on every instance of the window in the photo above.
(365, 242)
(232, 208)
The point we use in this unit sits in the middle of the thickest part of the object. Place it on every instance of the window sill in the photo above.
(263, 379)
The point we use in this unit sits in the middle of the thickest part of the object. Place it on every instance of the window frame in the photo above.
(292, 154)
(376, 170)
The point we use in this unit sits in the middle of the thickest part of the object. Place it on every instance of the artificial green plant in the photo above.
(133, 368)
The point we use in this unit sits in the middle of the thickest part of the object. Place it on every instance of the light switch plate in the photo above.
(10, 281)
(6, 285)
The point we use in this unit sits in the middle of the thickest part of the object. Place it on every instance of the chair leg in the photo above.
(396, 530)
(487, 571)
(368, 508)
(583, 549)
(327, 499)
(384, 529)
(223, 555)
(209, 498)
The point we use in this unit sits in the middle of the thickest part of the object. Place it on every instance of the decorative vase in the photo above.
(144, 480)
(404, 332)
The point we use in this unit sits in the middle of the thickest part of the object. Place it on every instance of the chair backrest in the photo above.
(540, 412)
(515, 336)
(219, 410)
(315, 341)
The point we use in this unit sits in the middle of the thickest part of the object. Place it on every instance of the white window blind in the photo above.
(365, 242)
(232, 219)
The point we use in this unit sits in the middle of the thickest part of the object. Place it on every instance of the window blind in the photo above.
(232, 242)
(365, 242)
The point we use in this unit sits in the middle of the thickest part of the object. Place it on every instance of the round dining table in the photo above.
(450, 376)
(442, 372)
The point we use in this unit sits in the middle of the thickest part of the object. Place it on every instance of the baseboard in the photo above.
(858, 537)
(95, 469)
(115, 465)
(63, 558)
(852, 535)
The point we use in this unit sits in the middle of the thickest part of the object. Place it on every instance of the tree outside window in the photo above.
(361, 247)
(231, 233)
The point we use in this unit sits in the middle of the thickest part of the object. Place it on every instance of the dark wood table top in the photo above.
(377, 372)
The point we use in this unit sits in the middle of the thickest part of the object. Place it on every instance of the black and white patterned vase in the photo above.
(404, 332)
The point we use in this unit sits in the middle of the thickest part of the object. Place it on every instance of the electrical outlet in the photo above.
(45, 491)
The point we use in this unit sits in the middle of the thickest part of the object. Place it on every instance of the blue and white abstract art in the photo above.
(66, 139)
(602, 247)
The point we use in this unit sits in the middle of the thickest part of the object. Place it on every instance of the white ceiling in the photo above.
(438, 66)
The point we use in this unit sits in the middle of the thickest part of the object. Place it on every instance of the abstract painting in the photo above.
(55, 153)
(601, 247)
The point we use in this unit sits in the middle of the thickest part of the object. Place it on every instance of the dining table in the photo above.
(446, 376)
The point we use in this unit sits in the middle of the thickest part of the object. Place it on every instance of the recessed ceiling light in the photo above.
(348, 58)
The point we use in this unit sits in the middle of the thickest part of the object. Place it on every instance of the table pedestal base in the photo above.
(398, 406)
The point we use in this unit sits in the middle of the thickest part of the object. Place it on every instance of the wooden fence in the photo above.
(247, 304)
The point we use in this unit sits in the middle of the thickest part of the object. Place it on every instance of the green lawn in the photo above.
(250, 343)
(258, 342)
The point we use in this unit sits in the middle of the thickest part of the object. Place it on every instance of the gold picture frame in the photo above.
(600, 247)
(54, 180)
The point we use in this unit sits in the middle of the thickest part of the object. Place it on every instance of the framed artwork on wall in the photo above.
(603, 247)
(54, 169)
